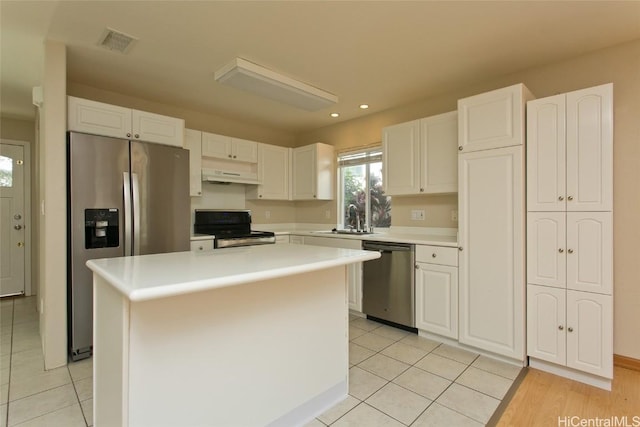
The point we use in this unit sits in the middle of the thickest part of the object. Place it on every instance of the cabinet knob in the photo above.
(229, 155)
(570, 251)
(561, 250)
(561, 327)
(314, 196)
(17, 217)
(136, 135)
(128, 135)
(260, 196)
(235, 157)
(422, 190)
(561, 198)
(17, 227)
(433, 255)
(460, 148)
(200, 248)
(570, 329)
(570, 198)
(460, 248)
(415, 266)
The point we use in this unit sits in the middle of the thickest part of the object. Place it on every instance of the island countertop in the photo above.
(148, 277)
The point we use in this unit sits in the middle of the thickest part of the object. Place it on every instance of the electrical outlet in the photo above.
(417, 215)
(267, 214)
(454, 215)
(327, 214)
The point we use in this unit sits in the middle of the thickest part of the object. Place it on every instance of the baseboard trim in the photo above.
(626, 362)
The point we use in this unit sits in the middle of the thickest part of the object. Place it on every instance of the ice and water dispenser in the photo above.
(101, 228)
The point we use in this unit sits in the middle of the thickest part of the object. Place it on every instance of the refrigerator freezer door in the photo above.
(160, 198)
(96, 168)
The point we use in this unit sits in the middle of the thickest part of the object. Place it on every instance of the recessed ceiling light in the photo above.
(335, 115)
(364, 106)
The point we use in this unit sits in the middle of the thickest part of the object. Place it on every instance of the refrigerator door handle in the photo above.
(127, 214)
(135, 187)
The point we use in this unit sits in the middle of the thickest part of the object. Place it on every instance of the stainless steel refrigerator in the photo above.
(124, 198)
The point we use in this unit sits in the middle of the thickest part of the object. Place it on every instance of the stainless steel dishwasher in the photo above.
(388, 291)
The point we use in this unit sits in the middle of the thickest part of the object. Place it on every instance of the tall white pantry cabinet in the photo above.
(491, 233)
(570, 234)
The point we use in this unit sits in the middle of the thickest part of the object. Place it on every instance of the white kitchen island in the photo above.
(251, 336)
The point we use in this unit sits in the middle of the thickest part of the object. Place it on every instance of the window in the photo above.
(361, 200)
(6, 171)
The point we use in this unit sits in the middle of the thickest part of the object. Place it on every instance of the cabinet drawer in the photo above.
(202, 245)
(437, 255)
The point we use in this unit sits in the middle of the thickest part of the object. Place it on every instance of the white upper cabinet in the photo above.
(590, 149)
(274, 166)
(111, 120)
(401, 158)
(546, 154)
(570, 151)
(193, 143)
(229, 148)
(492, 119)
(420, 156)
(313, 172)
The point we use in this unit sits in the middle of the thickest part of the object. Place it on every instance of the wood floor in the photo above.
(542, 398)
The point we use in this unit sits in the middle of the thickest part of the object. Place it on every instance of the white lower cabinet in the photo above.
(354, 271)
(571, 328)
(437, 290)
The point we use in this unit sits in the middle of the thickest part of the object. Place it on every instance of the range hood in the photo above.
(230, 176)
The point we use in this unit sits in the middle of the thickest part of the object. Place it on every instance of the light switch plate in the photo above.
(417, 215)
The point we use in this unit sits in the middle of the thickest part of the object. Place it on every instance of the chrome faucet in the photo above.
(357, 216)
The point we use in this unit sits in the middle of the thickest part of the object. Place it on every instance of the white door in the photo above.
(590, 149)
(304, 173)
(12, 220)
(590, 252)
(546, 249)
(273, 170)
(491, 261)
(152, 127)
(437, 299)
(491, 120)
(401, 158)
(218, 146)
(546, 151)
(244, 150)
(589, 337)
(546, 327)
(439, 151)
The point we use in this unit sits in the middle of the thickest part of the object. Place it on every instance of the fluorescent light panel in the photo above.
(246, 75)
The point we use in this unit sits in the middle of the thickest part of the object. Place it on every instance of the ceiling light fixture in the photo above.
(335, 115)
(364, 106)
(246, 75)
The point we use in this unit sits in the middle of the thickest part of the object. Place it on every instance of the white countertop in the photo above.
(148, 277)
(403, 237)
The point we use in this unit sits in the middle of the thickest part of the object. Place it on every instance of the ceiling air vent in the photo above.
(115, 40)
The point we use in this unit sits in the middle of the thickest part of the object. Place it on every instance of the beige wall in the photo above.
(53, 223)
(620, 65)
(19, 129)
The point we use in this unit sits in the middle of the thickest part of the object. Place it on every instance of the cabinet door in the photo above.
(546, 249)
(438, 147)
(590, 252)
(401, 158)
(491, 262)
(304, 173)
(273, 173)
(589, 333)
(354, 280)
(546, 151)
(437, 299)
(492, 120)
(193, 143)
(244, 150)
(98, 118)
(546, 327)
(156, 128)
(590, 149)
(218, 146)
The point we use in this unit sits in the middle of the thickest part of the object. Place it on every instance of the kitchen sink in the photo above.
(349, 232)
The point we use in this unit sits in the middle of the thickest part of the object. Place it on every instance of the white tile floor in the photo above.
(395, 379)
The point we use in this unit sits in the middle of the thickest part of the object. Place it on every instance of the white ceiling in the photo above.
(384, 53)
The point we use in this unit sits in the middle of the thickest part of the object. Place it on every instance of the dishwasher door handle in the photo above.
(386, 248)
